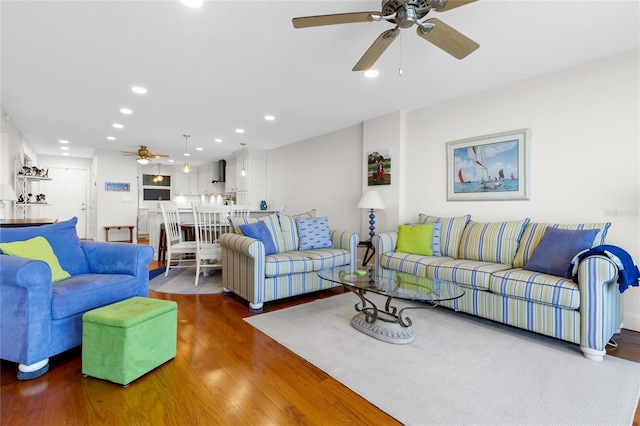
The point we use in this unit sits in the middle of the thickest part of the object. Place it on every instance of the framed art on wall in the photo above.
(379, 168)
(491, 167)
(117, 186)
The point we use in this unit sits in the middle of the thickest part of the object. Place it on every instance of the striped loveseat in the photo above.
(258, 277)
(487, 259)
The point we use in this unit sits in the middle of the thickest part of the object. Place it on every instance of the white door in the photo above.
(67, 194)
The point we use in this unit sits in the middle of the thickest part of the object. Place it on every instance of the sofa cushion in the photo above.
(84, 292)
(452, 228)
(259, 231)
(415, 239)
(272, 222)
(37, 248)
(557, 248)
(313, 233)
(435, 239)
(536, 287)
(410, 263)
(491, 242)
(61, 236)
(290, 229)
(327, 258)
(533, 233)
(466, 273)
(287, 263)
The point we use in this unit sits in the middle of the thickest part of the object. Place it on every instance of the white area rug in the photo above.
(181, 281)
(459, 370)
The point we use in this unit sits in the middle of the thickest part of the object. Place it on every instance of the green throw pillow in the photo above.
(37, 248)
(415, 239)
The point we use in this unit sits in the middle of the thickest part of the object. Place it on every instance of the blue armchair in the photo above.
(39, 320)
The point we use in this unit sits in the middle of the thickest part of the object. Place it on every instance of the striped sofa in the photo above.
(254, 276)
(487, 259)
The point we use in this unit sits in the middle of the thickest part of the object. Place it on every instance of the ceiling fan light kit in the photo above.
(144, 156)
(404, 14)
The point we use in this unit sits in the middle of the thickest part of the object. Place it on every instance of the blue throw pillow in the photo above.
(557, 248)
(259, 231)
(313, 232)
(61, 236)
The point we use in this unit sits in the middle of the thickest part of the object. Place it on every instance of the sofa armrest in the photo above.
(383, 243)
(25, 309)
(599, 304)
(243, 268)
(346, 240)
(120, 258)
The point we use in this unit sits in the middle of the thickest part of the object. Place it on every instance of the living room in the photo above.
(583, 163)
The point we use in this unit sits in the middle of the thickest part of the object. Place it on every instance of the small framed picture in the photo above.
(379, 168)
(491, 167)
(117, 186)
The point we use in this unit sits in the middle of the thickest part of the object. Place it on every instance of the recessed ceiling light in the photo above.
(172, 161)
(192, 3)
(199, 149)
(186, 154)
(118, 126)
(126, 111)
(65, 153)
(139, 90)
(371, 73)
(63, 141)
(217, 140)
(239, 130)
(66, 148)
(111, 138)
(269, 117)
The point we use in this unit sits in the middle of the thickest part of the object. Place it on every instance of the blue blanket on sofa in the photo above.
(628, 273)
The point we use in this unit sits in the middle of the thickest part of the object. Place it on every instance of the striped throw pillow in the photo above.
(272, 222)
(450, 234)
(491, 242)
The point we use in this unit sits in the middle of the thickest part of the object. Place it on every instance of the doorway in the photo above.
(67, 194)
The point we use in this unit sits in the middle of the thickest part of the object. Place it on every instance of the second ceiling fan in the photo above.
(404, 14)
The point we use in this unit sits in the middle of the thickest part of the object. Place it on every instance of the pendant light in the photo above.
(243, 172)
(186, 168)
(158, 177)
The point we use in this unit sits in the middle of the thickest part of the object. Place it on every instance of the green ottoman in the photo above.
(126, 340)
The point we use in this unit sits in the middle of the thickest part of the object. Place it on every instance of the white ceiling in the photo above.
(67, 67)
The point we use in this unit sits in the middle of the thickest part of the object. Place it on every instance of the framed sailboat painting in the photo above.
(491, 167)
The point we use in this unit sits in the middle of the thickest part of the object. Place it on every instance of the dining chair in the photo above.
(175, 243)
(210, 223)
(241, 210)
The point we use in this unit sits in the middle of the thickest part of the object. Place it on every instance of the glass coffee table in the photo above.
(389, 324)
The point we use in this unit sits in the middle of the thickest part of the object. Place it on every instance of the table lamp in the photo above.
(6, 194)
(371, 200)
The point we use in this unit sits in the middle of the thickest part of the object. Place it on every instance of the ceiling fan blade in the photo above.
(128, 153)
(446, 38)
(161, 155)
(378, 47)
(452, 4)
(340, 18)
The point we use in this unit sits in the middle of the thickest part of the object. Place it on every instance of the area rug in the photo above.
(460, 369)
(181, 281)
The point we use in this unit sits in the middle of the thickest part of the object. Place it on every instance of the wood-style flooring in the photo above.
(225, 372)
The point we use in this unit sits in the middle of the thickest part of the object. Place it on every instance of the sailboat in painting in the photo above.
(485, 179)
(461, 177)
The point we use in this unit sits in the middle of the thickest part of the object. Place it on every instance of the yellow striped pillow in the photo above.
(491, 242)
(451, 232)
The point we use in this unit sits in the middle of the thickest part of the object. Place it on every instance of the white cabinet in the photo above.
(143, 222)
(204, 182)
(185, 183)
(231, 179)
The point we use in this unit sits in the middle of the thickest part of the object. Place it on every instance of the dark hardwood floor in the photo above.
(225, 372)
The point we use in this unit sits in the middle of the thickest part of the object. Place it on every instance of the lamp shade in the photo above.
(7, 193)
(371, 200)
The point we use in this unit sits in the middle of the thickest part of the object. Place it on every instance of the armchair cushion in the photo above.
(37, 248)
(61, 236)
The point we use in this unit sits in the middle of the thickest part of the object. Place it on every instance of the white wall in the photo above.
(322, 173)
(115, 208)
(584, 157)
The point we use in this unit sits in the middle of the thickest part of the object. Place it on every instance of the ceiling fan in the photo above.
(404, 14)
(144, 155)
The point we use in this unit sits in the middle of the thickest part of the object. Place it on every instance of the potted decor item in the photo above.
(263, 205)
